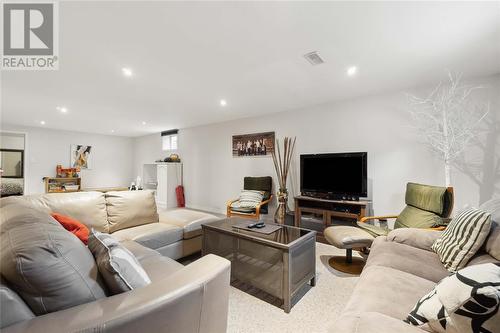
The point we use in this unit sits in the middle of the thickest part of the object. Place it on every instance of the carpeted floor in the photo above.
(314, 312)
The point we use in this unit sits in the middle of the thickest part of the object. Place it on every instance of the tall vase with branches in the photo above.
(447, 120)
(282, 166)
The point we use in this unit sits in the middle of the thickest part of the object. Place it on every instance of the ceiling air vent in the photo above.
(314, 58)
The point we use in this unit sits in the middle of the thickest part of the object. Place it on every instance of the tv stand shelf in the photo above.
(346, 210)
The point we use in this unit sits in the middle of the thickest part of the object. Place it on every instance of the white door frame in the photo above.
(25, 157)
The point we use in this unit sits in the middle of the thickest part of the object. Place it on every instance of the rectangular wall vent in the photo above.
(314, 58)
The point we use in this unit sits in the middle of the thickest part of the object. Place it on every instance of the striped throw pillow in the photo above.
(465, 235)
(248, 199)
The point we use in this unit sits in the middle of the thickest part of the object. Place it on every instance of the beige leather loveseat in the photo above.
(192, 298)
(130, 215)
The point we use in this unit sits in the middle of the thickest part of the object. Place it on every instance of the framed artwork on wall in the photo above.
(258, 144)
(81, 156)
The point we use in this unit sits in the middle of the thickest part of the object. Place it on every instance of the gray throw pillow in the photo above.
(46, 265)
(118, 266)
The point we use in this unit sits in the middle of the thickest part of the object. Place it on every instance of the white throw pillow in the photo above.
(467, 301)
(118, 266)
(248, 199)
(462, 238)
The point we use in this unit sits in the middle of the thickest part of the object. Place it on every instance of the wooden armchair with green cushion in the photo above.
(427, 207)
(262, 184)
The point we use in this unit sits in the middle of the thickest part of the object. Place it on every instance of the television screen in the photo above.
(343, 173)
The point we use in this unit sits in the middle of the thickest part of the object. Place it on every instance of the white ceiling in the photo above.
(186, 56)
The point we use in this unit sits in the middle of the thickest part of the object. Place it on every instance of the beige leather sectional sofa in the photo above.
(130, 215)
(192, 298)
(400, 269)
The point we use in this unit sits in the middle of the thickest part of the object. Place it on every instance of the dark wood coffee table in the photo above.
(279, 263)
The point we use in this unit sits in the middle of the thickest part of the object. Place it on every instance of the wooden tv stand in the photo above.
(347, 210)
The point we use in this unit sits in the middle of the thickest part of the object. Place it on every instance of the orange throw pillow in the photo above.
(77, 228)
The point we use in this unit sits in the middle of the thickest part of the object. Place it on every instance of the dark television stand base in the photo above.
(352, 210)
(327, 196)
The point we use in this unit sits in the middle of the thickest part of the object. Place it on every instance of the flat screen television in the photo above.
(334, 175)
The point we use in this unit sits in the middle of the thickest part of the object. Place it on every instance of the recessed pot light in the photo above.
(112, 131)
(351, 71)
(223, 102)
(62, 109)
(144, 123)
(42, 122)
(127, 72)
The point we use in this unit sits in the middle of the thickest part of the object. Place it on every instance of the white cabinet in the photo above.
(163, 178)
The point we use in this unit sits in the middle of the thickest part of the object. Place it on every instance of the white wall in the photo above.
(379, 125)
(45, 148)
(12, 141)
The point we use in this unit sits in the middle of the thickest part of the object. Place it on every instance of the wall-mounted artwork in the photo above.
(81, 156)
(258, 144)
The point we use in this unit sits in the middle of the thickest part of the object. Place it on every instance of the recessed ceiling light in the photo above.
(352, 70)
(112, 131)
(42, 122)
(62, 109)
(144, 123)
(127, 71)
(223, 102)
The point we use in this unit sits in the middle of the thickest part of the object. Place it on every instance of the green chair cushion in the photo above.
(373, 229)
(412, 217)
(426, 197)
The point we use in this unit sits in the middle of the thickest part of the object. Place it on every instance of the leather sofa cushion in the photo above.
(492, 244)
(419, 262)
(46, 265)
(153, 235)
(12, 307)
(139, 251)
(482, 258)
(86, 207)
(418, 238)
(130, 209)
(387, 290)
(160, 267)
(371, 322)
(187, 219)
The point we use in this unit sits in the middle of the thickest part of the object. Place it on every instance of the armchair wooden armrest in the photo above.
(440, 228)
(381, 218)
(228, 206)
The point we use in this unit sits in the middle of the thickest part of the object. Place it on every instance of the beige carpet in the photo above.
(314, 312)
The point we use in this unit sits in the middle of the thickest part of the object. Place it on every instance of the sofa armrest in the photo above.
(419, 238)
(193, 299)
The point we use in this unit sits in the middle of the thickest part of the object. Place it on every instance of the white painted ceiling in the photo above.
(186, 56)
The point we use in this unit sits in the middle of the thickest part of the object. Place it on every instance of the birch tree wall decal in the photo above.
(447, 120)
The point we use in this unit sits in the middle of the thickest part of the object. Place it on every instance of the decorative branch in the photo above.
(282, 162)
(446, 120)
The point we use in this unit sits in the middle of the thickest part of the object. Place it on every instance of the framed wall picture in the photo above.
(81, 156)
(258, 144)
